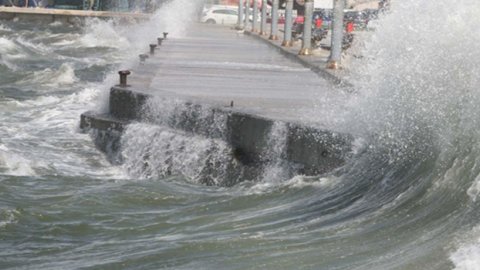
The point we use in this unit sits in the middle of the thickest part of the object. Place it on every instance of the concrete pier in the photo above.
(218, 73)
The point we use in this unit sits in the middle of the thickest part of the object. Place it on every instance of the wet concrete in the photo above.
(237, 78)
(217, 65)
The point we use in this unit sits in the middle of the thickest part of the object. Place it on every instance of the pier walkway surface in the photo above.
(217, 65)
(316, 61)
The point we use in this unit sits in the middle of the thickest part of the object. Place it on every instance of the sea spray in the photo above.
(168, 16)
(100, 33)
(276, 168)
(420, 76)
(151, 151)
(417, 98)
(172, 17)
(184, 115)
(180, 139)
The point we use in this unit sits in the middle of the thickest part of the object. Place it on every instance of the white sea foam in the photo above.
(8, 52)
(56, 23)
(6, 45)
(467, 256)
(84, 97)
(15, 164)
(8, 216)
(4, 28)
(40, 132)
(47, 139)
(64, 42)
(64, 75)
(296, 182)
(34, 46)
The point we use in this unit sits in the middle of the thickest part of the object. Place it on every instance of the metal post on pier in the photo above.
(307, 29)
(123, 77)
(287, 35)
(255, 16)
(143, 57)
(263, 26)
(152, 48)
(337, 35)
(247, 14)
(240, 15)
(274, 16)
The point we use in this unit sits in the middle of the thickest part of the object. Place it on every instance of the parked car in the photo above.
(359, 19)
(220, 15)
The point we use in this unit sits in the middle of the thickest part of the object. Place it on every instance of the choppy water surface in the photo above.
(408, 198)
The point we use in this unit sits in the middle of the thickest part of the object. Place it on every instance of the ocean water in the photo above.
(407, 199)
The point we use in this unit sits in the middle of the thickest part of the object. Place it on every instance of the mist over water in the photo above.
(407, 199)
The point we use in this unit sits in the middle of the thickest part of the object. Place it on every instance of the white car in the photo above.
(220, 16)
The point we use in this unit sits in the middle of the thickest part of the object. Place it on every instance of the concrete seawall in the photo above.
(308, 150)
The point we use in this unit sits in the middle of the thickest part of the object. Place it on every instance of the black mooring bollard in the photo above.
(143, 57)
(165, 34)
(123, 77)
(152, 48)
(159, 40)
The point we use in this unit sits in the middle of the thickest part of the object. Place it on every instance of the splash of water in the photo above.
(158, 152)
(417, 91)
(173, 17)
(277, 168)
(101, 33)
(419, 78)
(168, 16)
